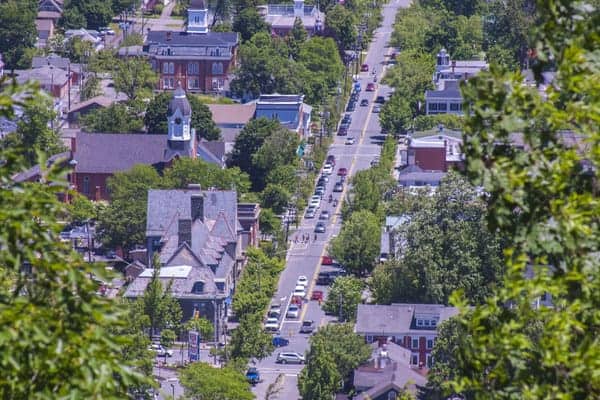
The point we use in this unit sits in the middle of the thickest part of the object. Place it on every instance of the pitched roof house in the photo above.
(289, 109)
(281, 17)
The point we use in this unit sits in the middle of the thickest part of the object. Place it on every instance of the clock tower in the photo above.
(181, 139)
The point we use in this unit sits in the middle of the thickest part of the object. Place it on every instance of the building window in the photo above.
(433, 322)
(198, 287)
(168, 83)
(414, 359)
(369, 339)
(429, 361)
(193, 68)
(442, 106)
(432, 106)
(455, 107)
(193, 83)
(426, 322)
(415, 343)
(419, 322)
(86, 185)
(392, 395)
(430, 344)
(171, 68)
(221, 286)
(165, 68)
(217, 68)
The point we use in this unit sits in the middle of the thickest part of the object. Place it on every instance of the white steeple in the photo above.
(197, 17)
(179, 117)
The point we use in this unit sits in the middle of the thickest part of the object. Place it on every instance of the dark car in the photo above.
(364, 68)
(279, 341)
(351, 107)
(380, 100)
(364, 102)
(323, 279)
(347, 119)
(253, 376)
(339, 187)
(343, 131)
(320, 227)
(331, 159)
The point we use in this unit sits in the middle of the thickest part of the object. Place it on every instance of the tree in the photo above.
(184, 171)
(116, 118)
(544, 198)
(202, 381)
(78, 50)
(248, 23)
(270, 224)
(285, 176)
(322, 68)
(97, 13)
(202, 120)
(155, 117)
(276, 198)
(123, 222)
(161, 308)
(134, 77)
(410, 78)
(167, 338)
(396, 114)
(446, 246)
(18, 33)
(357, 245)
(64, 346)
(344, 297)
(340, 24)
(72, 18)
(81, 209)
(249, 339)
(201, 325)
(319, 380)
(296, 37)
(90, 88)
(279, 149)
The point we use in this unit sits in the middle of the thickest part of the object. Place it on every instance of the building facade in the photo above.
(281, 17)
(200, 60)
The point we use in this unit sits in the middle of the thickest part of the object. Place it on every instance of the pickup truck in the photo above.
(253, 376)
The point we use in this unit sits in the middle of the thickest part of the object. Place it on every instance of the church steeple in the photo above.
(197, 17)
(181, 137)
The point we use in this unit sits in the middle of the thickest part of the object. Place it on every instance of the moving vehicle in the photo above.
(293, 311)
(317, 295)
(328, 169)
(370, 87)
(279, 341)
(377, 109)
(302, 281)
(380, 100)
(350, 140)
(364, 102)
(326, 260)
(308, 326)
(342, 171)
(160, 350)
(324, 214)
(310, 212)
(291, 358)
(253, 376)
(300, 291)
(364, 68)
(320, 227)
(339, 187)
(275, 310)
(272, 325)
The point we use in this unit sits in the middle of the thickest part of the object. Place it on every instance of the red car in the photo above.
(317, 295)
(326, 260)
(342, 172)
(371, 87)
(364, 68)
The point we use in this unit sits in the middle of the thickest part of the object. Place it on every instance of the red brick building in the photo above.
(197, 58)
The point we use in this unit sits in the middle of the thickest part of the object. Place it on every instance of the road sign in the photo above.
(194, 346)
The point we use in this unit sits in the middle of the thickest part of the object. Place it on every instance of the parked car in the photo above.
(319, 191)
(350, 140)
(351, 107)
(343, 131)
(308, 326)
(328, 169)
(317, 294)
(272, 325)
(291, 358)
(331, 159)
(380, 100)
(375, 161)
(377, 109)
(323, 279)
(326, 260)
(293, 311)
(342, 171)
(324, 214)
(364, 102)
(339, 187)
(253, 376)
(160, 350)
(364, 68)
(302, 281)
(300, 291)
(310, 213)
(370, 87)
(325, 178)
(347, 119)
(315, 202)
(279, 341)
(320, 227)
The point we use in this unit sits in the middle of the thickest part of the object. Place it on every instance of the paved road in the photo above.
(304, 259)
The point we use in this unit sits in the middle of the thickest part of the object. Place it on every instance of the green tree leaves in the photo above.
(205, 382)
(344, 297)
(18, 33)
(134, 77)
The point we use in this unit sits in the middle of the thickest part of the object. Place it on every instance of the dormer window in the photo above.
(198, 287)
(419, 322)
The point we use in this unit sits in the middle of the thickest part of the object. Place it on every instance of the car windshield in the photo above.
(293, 308)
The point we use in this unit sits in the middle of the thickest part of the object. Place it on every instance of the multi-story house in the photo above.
(446, 97)
(412, 326)
(200, 60)
(281, 17)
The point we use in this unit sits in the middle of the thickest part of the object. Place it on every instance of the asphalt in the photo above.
(305, 258)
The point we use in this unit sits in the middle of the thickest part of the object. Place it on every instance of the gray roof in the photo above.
(185, 39)
(179, 101)
(113, 152)
(213, 151)
(397, 318)
(45, 75)
(197, 5)
(35, 171)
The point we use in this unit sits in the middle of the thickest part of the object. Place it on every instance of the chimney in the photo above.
(73, 146)
(184, 231)
(197, 206)
(97, 195)
(169, 33)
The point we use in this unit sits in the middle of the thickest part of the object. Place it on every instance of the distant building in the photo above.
(50, 10)
(412, 326)
(289, 109)
(87, 35)
(281, 17)
(53, 80)
(391, 241)
(85, 107)
(197, 58)
(446, 97)
(231, 118)
(45, 30)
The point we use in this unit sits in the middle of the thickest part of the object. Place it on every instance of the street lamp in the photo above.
(173, 390)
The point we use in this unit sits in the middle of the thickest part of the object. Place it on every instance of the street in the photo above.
(305, 258)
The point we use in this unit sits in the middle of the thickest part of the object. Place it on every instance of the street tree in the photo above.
(123, 222)
(82, 209)
(340, 24)
(201, 325)
(543, 195)
(249, 340)
(202, 381)
(184, 171)
(270, 224)
(275, 197)
(410, 78)
(319, 380)
(202, 120)
(248, 23)
(18, 33)
(134, 77)
(279, 149)
(396, 114)
(65, 346)
(285, 176)
(344, 297)
(322, 68)
(116, 118)
(357, 245)
(296, 37)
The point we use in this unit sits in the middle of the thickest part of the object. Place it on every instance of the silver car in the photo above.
(292, 358)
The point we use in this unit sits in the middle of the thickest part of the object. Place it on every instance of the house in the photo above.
(446, 97)
(87, 35)
(85, 107)
(45, 30)
(73, 69)
(440, 152)
(289, 109)
(53, 80)
(199, 239)
(414, 176)
(281, 17)
(390, 241)
(97, 156)
(231, 118)
(387, 374)
(214, 151)
(412, 326)
(197, 58)
(55, 6)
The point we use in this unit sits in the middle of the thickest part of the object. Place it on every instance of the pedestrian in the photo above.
(315, 237)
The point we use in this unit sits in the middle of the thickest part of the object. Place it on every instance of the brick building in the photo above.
(197, 58)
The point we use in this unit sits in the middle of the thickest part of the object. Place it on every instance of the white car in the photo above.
(161, 351)
(350, 140)
(272, 324)
(315, 201)
(300, 291)
(293, 311)
(328, 169)
(302, 281)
